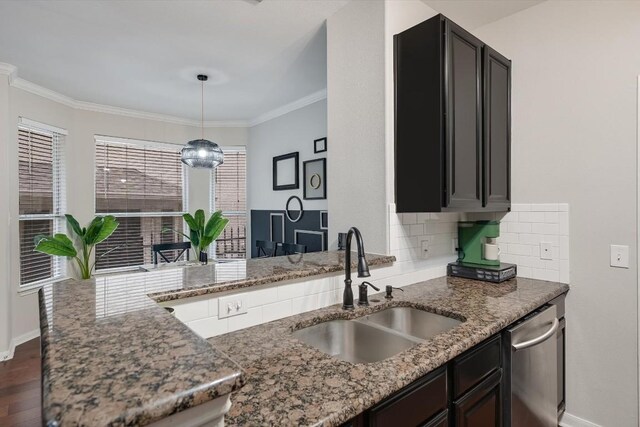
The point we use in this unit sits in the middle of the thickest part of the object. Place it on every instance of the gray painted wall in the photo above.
(294, 131)
(575, 74)
(356, 127)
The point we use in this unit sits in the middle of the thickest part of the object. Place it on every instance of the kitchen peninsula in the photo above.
(112, 355)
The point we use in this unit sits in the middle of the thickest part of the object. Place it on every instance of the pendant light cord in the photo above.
(202, 111)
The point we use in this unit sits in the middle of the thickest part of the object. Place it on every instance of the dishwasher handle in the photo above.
(526, 344)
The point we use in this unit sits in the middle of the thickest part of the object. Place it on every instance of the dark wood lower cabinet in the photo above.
(415, 405)
(465, 392)
(482, 405)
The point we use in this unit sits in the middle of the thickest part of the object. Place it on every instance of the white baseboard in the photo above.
(16, 341)
(569, 420)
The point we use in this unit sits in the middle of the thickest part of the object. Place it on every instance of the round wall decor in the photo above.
(315, 181)
(288, 209)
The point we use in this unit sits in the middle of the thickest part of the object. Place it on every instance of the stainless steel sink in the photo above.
(410, 321)
(353, 342)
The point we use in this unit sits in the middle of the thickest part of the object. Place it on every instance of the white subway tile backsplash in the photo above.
(208, 327)
(252, 317)
(277, 310)
(519, 249)
(302, 304)
(409, 218)
(519, 227)
(293, 290)
(417, 230)
(262, 297)
(423, 217)
(528, 225)
(545, 228)
(532, 217)
(193, 309)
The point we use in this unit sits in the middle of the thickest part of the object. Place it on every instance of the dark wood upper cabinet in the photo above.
(497, 130)
(450, 155)
(463, 127)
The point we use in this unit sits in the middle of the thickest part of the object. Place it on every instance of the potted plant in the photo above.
(202, 233)
(86, 237)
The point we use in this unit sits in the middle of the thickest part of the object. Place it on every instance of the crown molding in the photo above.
(20, 83)
(295, 105)
(8, 70)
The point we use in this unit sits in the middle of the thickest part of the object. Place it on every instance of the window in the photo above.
(229, 194)
(41, 199)
(142, 184)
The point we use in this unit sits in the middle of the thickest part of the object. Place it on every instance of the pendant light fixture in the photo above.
(202, 153)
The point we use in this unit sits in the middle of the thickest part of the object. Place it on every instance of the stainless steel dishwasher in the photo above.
(531, 354)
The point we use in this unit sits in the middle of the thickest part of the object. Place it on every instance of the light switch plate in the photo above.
(424, 248)
(546, 250)
(620, 256)
(232, 305)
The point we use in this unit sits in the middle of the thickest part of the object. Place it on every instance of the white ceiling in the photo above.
(145, 55)
(472, 14)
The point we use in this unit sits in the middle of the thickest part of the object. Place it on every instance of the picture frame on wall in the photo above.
(320, 145)
(285, 172)
(315, 182)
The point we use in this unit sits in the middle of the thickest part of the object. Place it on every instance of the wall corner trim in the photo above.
(16, 341)
(569, 420)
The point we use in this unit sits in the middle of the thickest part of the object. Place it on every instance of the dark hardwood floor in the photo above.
(20, 387)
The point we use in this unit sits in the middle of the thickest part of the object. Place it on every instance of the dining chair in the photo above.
(293, 248)
(266, 248)
(182, 247)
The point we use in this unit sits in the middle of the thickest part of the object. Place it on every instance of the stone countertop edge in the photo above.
(374, 260)
(222, 377)
(291, 383)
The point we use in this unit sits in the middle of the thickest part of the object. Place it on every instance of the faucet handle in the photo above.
(372, 285)
(389, 290)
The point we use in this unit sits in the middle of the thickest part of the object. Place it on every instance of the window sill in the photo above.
(32, 288)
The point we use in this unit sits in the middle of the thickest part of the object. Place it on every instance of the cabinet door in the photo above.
(497, 130)
(481, 407)
(415, 405)
(463, 100)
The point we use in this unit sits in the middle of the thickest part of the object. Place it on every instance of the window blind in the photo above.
(41, 200)
(229, 194)
(141, 184)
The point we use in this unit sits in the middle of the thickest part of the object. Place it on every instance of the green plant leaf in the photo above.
(211, 224)
(75, 226)
(220, 225)
(58, 245)
(93, 231)
(191, 222)
(109, 225)
(168, 229)
(195, 241)
(200, 220)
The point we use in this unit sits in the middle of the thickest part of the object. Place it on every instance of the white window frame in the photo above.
(185, 191)
(212, 199)
(59, 202)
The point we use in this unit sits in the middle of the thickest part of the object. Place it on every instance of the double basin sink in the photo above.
(377, 336)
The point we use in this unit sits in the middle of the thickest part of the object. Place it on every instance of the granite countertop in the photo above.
(111, 355)
(291, 383)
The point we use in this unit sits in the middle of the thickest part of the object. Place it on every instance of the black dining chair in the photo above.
(293, 248)
(182, 247)
(266, 248)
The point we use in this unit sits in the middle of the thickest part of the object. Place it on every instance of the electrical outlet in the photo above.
(424, 248)
(546, 250)
(232, 305)
(619, 256)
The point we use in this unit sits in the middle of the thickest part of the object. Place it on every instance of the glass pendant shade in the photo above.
(203, 154)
